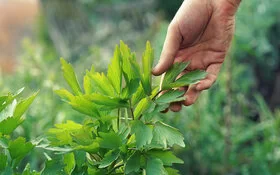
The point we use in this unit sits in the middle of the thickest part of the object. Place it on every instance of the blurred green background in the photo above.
(234, 128)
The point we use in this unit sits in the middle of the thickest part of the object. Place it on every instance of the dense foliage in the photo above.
(122, 133)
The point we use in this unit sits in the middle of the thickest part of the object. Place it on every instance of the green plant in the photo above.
(13, 151)
(123, 133)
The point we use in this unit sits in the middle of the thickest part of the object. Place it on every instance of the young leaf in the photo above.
(85, 106)
(142, 107)
(92, 148)
(110, 140)
(109, 158)
(166, 135)
(186, 80)
(138, 95)
(114, 73)
(23, 106)
(61, 134)
(167, 157)
(171, 171)
(69, 161)
(64, 94)
(171, 75)
(106, 101)
(101, 84)
(170, 96)
(8, 125)
(130, 68)
(70, 77)
(8, 99)
(18, 152)
(147, 61)
(133, 163)
(155, 167)
(143, 133)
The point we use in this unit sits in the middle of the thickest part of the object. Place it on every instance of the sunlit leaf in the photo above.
(147, 63)
(23, 105)
(70, 77)
(114, 73)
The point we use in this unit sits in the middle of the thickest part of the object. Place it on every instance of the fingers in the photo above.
(175, 107)
(210, 79)
(170, 49)
(206, 83)
(191, 95)
(194, 91)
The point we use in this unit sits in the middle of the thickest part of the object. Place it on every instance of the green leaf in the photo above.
(27, 171)
(3, 161)
(130, 68)
(84, 106)
(133, 163)
(138, 95)
(142, 107)
(114, 73)
(155, 167)
(167, 157)
(166, 135)
(187, 79)
(171, 171)
(64, 94)
(110, 140)
(23, 105)
(70, 77)
(88, 87)
(8, 125)
(69, 161)
(101, 84)
(106, 101)
(170, 96)
(8, 99)
(54, 166)
(109, 158)
(61, 135)
(171, 75)
(92, 148)
(147, 61)
(143, 133)
(19, 152)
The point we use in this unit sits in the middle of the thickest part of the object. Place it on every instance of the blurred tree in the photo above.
(68, 26)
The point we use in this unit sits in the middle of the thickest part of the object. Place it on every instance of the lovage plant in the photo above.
(122, 133)
(13, 151)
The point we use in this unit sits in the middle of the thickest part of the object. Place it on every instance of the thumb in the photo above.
(170, 48)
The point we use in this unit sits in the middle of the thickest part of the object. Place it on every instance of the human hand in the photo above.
(201, 32)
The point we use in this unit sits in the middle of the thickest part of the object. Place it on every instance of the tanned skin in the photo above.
(200, 32)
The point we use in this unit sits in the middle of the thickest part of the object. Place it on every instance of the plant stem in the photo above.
(118, 122)
(131, 110)
(156, 95)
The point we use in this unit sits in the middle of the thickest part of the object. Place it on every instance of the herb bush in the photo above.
(122, 133)
(13, 151)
